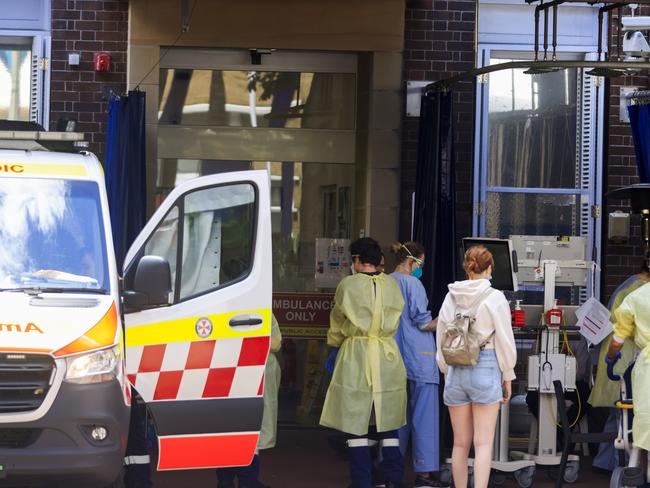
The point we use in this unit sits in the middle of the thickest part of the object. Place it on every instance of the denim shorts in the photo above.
(474, 384)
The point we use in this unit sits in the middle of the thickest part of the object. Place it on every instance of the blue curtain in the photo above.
(434, 219)
(640, 124)
(125, 170)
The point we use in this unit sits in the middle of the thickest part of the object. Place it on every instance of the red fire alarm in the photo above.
(102, 61)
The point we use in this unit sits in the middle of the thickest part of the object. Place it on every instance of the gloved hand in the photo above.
(610, 366)
(331, 360)
(614, 359)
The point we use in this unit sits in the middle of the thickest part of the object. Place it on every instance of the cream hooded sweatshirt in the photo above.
(493, 315)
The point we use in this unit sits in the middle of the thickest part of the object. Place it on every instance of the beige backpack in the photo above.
(460, 345)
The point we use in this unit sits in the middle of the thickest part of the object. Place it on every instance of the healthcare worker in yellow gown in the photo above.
(632, 323)
(369, 379)
(606, 392)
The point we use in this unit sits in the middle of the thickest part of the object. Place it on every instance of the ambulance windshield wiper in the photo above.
(37, 290)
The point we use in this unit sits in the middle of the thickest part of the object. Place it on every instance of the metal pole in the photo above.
(600, 33)
(545, 33)
(555, 31)
(444, 85)
(504, 433)
(619, 12)
(476, 7)
(537, 32)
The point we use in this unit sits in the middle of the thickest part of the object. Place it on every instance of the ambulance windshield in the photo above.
(51, 236)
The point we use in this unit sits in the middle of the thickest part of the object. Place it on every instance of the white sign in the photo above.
(332, 262)
(593, 320)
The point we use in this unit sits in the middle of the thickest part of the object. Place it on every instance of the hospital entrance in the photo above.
(295, 115)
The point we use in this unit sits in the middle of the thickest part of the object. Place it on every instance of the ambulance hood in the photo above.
(48, 322)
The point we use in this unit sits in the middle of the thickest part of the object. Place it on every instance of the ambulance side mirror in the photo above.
(152, 284)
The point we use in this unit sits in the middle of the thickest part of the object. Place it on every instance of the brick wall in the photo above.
(86, 27)
(439, 42)
(620, 261)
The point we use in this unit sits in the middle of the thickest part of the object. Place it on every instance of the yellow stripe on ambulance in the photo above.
(184, 330)
(19, 169)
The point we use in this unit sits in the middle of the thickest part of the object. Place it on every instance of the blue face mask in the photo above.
(417, 273)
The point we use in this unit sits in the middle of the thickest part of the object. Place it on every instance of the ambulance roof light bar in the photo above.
(28, 140)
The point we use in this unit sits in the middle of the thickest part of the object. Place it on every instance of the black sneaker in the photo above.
(394, 484)
(422, 482)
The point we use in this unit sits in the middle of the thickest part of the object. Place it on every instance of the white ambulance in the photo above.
(188, 325)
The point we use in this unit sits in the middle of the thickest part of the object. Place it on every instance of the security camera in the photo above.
(635, 23)
(635, 44)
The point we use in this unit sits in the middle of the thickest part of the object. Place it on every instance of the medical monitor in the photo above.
(504, 274)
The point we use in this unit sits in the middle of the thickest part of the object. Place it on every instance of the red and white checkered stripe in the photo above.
(222, 368)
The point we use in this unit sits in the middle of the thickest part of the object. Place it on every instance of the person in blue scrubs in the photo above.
(416, 341)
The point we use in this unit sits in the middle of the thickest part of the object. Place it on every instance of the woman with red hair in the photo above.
(474, 393)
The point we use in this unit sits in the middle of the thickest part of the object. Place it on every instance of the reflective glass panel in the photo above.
(271, 99)
(15, 81)
(218, 237)
(308, 201)
(532, 129)
(532, 214)
(164, 243)
(51, 235)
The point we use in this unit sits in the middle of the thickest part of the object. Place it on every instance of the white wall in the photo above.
(513, 22)
(25, 15)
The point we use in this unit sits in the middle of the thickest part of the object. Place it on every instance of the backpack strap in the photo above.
(472, 312)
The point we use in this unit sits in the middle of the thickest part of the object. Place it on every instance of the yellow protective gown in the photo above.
(606, 392)
(369, 372)
(632, 321)
(272, 375)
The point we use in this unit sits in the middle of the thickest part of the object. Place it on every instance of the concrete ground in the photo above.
(304, 459)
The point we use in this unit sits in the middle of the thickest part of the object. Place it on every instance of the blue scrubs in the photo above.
(418, 350)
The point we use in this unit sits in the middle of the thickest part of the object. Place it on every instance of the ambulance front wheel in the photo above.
(525, 477)
(571, 471)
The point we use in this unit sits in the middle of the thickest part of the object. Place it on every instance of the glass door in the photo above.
(296, 117)
(537, 170)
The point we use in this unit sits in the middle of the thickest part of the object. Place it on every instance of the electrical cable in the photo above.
(570, 351)
(173, 44)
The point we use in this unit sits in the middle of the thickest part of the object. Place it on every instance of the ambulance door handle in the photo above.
(247, 322)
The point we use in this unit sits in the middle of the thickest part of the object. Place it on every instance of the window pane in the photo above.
(164, 242)
(51, 234)
(15, 81)
(532, 214)
(532, 129)
(172, 172)
(218, 237)
(315, 201)
(308, 201)
(272, 99)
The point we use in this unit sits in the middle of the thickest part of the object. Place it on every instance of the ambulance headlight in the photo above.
(94, 367)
